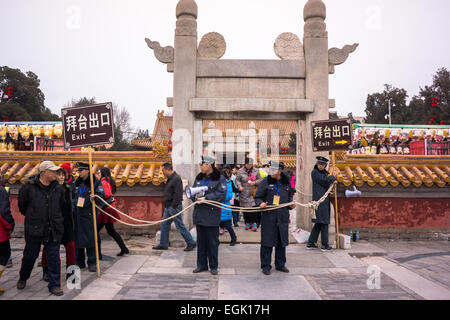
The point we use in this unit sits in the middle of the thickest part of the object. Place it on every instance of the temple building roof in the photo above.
(127, 168)
(383, 170)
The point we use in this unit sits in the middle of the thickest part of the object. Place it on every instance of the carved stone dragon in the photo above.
(338, 56)
(163, 54)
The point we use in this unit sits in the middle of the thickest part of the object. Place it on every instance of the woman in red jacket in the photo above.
(109, 186)
(6, 227)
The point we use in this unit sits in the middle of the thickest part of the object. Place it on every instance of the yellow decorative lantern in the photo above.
(446, 133)
(3, 146)
(13, 132)
(10, 146)
(58, 131)
(48, 131)
(3, 132)
(36, 130)
(25, 131)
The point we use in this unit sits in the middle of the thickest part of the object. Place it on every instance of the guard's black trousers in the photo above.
(323, 230)
(31, 253)
(280, 256)
(207, 247)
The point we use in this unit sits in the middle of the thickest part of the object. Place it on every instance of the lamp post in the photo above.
(390, 118)
(389, 115)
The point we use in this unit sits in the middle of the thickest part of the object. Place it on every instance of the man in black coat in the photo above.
(83, 214)
(275, 189)
(173, 197)
(322, 181)
(41, 201)
(207, 217)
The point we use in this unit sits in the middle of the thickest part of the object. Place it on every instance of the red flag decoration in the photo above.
(434, 102)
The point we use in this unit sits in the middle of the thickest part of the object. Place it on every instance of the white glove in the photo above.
(199, 197)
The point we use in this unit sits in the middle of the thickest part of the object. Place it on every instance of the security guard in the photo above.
(207, 217)
(322, 181)
(275, 189)
(83, 211)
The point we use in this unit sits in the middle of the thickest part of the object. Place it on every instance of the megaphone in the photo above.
(193, 191)
(352, 193)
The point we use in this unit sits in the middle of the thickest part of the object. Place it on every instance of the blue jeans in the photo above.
(227, 225)
(235, 214)
(165, 227)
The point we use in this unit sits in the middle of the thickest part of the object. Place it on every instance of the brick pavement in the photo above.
(167, 275)
(430, 259)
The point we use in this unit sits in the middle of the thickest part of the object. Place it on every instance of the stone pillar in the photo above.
(185, 71)
(315, 43)
(184, 86)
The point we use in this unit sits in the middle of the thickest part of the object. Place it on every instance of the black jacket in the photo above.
(205, 214)
(84, 222)
(43, 210)
(69, 223)
(321, 183)
(173, 191)
(274, 222)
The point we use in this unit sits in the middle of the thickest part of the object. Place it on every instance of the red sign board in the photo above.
(88, 125)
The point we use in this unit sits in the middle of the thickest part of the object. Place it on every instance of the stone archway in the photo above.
(292, 88)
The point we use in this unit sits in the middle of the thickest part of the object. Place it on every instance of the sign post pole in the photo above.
(332, 135)
(94, 216)
(336, 215)
(88, 126)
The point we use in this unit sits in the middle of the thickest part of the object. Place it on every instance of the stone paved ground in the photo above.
(409, 270)
(430, 259)
(36, 288)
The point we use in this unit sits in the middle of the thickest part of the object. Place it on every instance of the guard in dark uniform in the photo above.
(322, 181)
(206, 217)
(274, 189)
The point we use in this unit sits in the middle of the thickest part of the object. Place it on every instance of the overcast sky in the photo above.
(96, 47)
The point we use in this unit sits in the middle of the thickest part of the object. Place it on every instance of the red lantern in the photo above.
(442, 122)
(10, 92)
(170, 148)
(434, 102)
(170, 130)
(170, 142)
(279, 143)
(429, 122)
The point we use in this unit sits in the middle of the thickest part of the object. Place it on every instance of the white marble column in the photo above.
(315, 42)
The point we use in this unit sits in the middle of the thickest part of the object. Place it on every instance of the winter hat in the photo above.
(67, 167)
